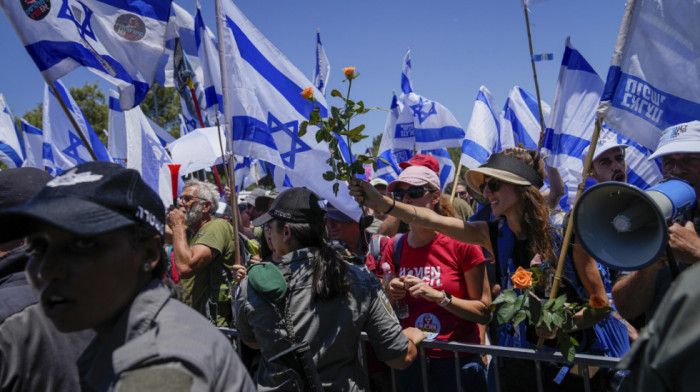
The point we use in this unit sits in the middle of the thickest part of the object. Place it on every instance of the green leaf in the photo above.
(547, 318)
(302, 128)
(384, 161)
(506, 313)
(568, 350)
(319, 135)
(548, 304)
(357, 167)
(509, 295)
(336, 186)
(519, 317)
(335, 112)
(314, 116)
(356, 131)
(501, 298)
(557, 319)
(559, 302)
(519, 302)
(587, 315)
(329, 176)
(336, 93)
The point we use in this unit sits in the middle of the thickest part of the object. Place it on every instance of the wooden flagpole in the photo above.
(534, 73)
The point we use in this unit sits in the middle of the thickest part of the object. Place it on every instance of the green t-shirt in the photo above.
(462, 209)
(209, 281)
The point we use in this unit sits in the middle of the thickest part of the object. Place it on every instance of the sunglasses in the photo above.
(493, 183)
(243, 207)
(413, 192)
(462, 193)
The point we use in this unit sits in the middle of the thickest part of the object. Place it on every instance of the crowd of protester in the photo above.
(102, 289)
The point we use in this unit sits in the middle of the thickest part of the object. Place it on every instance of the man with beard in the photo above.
(204, 252)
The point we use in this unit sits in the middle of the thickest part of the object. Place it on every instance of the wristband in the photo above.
(393, 204)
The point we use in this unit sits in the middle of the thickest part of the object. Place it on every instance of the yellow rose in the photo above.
(349, 72)
(308, 93)
(522, 278)
(597, 302)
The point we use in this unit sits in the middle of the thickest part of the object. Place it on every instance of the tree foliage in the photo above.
(164, 109)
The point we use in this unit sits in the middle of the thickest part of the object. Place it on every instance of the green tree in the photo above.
(34, 116)
(376, 141)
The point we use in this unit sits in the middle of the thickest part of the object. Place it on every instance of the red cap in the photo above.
(422, 160)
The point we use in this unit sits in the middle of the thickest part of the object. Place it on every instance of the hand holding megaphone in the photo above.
(685, 242)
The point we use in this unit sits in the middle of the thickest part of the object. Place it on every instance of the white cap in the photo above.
(681, 138)
(606, 142)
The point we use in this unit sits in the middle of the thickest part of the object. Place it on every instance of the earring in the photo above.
(146, 267)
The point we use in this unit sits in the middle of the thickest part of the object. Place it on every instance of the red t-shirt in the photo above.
(441, 264)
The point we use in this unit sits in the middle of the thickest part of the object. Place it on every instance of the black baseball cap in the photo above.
(17, 185)
(92, 198)
(295, 205)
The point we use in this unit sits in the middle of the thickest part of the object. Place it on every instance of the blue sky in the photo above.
(456, 46)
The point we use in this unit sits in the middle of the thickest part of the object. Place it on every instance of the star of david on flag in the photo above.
(122, 41)
(11, 143)
(267, 106)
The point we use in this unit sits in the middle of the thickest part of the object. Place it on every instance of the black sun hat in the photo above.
(295, 205)
(90, 199)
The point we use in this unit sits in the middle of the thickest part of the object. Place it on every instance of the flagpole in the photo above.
(72, 120)
(233, 202)
(190, 85)
(534, 73)
(454, 182)
(570, 226)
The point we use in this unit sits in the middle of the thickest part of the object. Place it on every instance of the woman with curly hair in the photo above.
(521, 235)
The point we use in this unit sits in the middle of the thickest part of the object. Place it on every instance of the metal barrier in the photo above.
(582, 360)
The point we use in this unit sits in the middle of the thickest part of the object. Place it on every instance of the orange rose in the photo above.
(349, 72)
(597, 302)
(522, 278)
(308, 93)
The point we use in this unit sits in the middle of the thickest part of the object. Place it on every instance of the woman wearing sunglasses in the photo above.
(522, 233)
(443, 282)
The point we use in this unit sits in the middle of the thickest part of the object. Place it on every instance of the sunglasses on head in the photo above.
(413, 192)
(493, 183)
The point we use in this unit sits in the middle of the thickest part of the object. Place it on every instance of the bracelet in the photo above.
(415, 215)
(393, 204)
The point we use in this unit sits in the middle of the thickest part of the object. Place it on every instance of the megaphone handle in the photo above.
(672, 263)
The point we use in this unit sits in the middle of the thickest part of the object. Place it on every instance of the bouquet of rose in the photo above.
(552, 318)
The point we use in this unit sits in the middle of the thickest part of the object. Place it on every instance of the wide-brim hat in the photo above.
(416, 176)
(682, 138)
(506, 168)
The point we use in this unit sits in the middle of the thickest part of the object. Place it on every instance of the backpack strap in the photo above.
(398, 246)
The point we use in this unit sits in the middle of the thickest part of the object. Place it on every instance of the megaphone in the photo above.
(626, 228)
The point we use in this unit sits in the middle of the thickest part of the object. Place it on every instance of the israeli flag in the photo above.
(209, 59)
(181, 27)
(247, 171)
(121, 41)
(571, 127)
(67, 147)
(267, 109)
(406, 73)
(147, 155)
(447, 166)
(186, 126)
(323, 67)
(11, 143)
(434, 126)
(116, 137)
(521, 120)
(390, 172)
(39, 154)
(653, 81)
(481, 138)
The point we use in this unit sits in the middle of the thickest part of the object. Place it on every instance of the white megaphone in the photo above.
(625, 227)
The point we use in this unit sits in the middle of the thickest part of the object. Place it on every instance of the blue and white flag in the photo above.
(181, 27)
(267, 108)
(209, 59)
(434, 126)
(543, 57)
(406, 73)
(323, 67)
(116, 135)
(67, 147)
(447, 166)
(653, 81)
(11, 143)
(571, 127)
(39, 153)
(147, 155)
(247, 172)
(186, 125)
(121, 41)
(481, 138)
(390, 171)
(521, 120)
